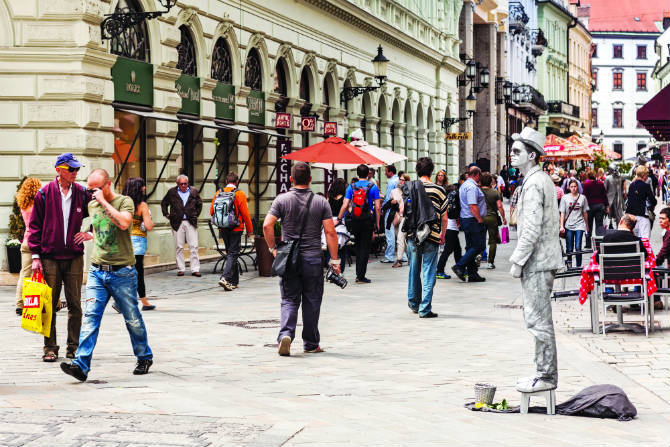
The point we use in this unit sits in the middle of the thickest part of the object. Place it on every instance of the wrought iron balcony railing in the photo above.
(564, 108)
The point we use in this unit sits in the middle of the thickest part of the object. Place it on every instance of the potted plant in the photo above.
(16, 229)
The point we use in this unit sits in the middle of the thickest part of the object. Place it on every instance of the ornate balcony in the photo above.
(531, 99)
(539, 42)
(518, 19)
(563, 108)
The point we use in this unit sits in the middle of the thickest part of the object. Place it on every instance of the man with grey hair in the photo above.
(537, 256)
(182, 206)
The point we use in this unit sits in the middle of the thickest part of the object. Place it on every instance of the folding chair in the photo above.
(624, 266)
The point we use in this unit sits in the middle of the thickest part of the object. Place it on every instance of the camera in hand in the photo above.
(336, 279)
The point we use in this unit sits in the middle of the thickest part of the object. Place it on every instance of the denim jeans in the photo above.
(232, 241)
(390, 239)
(305, 288)
(451, 245)
(573, 242)
(475, 243)
(422, 262)
(100, 286)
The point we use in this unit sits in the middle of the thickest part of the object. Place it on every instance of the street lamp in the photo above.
(507, 91)
(471, 103)
(516, 95)
(379, 64)
(471, 69)
(484, 77)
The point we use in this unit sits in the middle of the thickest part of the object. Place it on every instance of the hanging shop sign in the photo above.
(223, 96)
(307, 123)
(188, 89)
(283, 166)
(256, 107)
(133, 81)
(283, 120)
(330, 128)
(458, 136)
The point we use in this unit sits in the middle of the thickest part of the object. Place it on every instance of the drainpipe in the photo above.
(567, 51)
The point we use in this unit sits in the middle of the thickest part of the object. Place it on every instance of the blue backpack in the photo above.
(225, 214)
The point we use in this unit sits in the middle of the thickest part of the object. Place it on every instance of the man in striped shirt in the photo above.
(423, 256)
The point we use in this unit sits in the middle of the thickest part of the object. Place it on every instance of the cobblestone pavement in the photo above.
(387, 378)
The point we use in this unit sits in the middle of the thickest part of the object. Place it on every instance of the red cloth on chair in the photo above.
(587, 281)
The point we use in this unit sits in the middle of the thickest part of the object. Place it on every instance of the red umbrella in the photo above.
(333, 150)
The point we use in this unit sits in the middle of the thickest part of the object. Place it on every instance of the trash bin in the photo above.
(263, 256)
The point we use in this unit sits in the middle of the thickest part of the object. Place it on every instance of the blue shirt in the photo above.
(470, 194)
(373, 193)
(390, 186)
(184, 197)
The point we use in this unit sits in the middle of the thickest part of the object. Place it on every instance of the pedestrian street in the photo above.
(387, 377)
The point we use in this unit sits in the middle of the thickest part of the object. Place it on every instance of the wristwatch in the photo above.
(334, 262)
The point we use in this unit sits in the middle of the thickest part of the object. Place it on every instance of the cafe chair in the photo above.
(618, 267)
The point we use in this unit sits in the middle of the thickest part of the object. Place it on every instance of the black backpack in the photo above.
(453, 205)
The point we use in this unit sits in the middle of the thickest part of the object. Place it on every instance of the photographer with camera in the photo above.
(307, 284)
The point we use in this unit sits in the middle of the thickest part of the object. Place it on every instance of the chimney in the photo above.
(666, 20)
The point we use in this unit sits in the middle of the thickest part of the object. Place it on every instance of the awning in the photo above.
(154, 115)
(655, 115)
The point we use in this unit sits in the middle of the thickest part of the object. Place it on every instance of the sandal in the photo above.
(49, 357)
(397, 264)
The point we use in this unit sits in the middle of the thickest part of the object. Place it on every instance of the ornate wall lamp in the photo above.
(475, 73)
(380, 64)
(115, 24)
(470, 107)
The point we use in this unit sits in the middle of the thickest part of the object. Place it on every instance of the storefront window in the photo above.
(126, 129)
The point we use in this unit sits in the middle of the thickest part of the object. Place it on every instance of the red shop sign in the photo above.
(283, 120)
(330, 128)
(307, 124)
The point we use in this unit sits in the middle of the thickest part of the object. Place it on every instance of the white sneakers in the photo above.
(533, 385)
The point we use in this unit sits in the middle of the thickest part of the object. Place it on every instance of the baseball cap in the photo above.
(68, 159)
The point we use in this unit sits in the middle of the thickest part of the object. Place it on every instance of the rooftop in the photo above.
(626, 15)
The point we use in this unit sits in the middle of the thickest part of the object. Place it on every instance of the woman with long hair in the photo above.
(441, 178)
(396, 199)
(25, 198)
(135, 188)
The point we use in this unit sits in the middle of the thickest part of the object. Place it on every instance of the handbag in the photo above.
(287, 260)
(504, 235)
(561, 233)
(512, 217)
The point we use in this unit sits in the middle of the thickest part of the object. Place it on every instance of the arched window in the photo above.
(304, 84)
(281, 86)
(252, 71)
(186, 49)
(133, 42)
(222, 67)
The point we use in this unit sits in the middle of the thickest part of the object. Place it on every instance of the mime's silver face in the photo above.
(519, 156)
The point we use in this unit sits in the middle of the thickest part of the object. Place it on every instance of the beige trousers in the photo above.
(400, 241)
(188, 234)
(26, 272)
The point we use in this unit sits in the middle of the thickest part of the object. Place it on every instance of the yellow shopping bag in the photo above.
(37, 305)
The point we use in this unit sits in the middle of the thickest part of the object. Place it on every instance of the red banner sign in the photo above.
(283, 120)
(307, 124)
(330, 128)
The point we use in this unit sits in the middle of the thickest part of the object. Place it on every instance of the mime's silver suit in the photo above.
(538, 252)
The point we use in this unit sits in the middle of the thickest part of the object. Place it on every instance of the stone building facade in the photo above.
(196, 90)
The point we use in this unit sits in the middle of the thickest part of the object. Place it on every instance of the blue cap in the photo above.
(68, 159)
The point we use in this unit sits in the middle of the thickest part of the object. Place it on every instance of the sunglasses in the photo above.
(69, 168)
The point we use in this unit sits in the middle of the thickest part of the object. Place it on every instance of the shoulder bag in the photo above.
(287, 261)
(562, 233)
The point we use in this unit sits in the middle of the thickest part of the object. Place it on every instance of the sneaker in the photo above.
(534, 386)
(142, 367)
(363, 281)
(459, 272)
(476, 278)
(73, 370)
(442, 275)
(149, 307)
(430, 314)
(285, 346)
(490, 266)
(385, 261)
(226, 285)
(316, 350)
(416, 311)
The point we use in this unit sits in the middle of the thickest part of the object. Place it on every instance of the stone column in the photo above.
(410, 144)
(485, 120)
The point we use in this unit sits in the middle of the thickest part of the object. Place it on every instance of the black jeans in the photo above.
(595, 214)
(451, 245)
(362, 231)
(307, 287)
(139, 266)
(232, 240)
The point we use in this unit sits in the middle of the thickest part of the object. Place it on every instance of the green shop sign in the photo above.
(133, 81)
(188, 89)
(224, 101)
(256, 106)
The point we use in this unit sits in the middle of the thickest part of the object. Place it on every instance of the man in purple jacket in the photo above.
(57, 246)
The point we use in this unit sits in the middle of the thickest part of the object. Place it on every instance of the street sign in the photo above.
(458, 136)
(307, 123)
(283, 120)
(283, 166)
(330, 128)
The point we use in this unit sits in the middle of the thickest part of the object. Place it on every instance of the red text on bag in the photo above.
(31, 301)
(361, 209)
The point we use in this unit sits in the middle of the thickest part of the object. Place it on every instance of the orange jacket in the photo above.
(241, 208)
